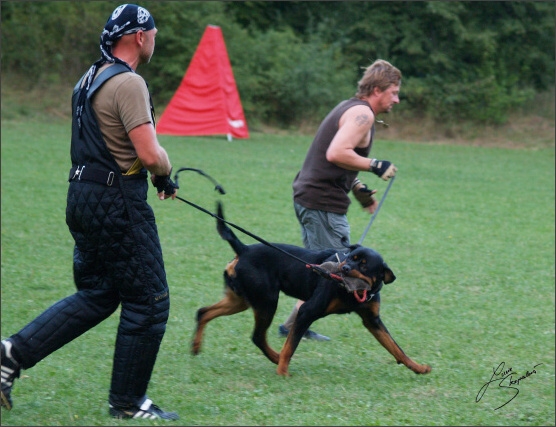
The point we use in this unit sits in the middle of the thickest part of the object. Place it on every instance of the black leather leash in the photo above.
(219, 188)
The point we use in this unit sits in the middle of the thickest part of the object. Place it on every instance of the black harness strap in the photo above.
(105, 75)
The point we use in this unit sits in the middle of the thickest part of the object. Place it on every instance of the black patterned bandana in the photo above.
(125, 19)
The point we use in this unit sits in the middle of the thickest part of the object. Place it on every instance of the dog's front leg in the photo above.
(292, 341)
(299, 327)
(311, 310)
(372, 321)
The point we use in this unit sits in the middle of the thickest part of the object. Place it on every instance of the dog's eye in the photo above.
(363, 265)
(362, 268)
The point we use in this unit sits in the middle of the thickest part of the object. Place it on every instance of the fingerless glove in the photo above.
(164, 183)
(362, 193)
(383, 168)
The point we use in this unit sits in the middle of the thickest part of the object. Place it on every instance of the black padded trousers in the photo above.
(117, 260)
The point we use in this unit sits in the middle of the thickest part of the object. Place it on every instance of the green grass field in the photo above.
(469, 232)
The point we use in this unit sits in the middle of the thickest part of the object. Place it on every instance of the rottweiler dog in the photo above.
(328, 282)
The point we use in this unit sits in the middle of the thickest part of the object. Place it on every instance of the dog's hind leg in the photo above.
(372, 322)
(263, 319)
(230, 304)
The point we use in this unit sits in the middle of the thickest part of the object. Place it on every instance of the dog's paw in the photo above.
(422, 369)
(195, 349)
(283, 372)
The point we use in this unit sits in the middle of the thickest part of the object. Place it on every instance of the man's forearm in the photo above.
(162, 167)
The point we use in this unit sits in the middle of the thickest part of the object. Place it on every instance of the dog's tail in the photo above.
(226, 232)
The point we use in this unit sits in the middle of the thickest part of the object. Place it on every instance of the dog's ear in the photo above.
(389, 275)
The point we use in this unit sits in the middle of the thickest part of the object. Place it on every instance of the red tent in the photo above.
(207, 101)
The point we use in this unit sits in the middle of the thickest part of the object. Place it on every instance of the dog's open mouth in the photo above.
(359, 287)
(356, 283)
(360, 296)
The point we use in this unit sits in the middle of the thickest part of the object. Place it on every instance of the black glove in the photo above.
(362, 193)
(383, 168)
(164, 183)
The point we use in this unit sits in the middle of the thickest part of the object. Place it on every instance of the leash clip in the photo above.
(78, 173)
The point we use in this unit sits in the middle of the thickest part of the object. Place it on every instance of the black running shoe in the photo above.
(147, 411)
(10, 371)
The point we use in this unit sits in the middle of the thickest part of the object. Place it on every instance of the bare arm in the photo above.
(152, 155)
(354, 131)
(149, 151)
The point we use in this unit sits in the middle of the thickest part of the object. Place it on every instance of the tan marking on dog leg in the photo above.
(285, 356)
(289, 349)
(379, 331)
(230, 304)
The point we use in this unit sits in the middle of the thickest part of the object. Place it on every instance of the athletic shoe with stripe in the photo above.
(148, 411)
(10, 371)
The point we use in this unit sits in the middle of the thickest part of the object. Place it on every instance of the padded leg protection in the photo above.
(61, 323)
(133, 365)
(142, 326)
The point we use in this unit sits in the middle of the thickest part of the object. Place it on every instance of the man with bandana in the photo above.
(117, 258)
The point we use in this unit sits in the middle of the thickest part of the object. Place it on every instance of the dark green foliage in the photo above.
(45, 42)
(180, 28)
(289, 81)
(293, 61)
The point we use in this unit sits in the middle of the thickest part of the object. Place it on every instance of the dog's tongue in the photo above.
(358, 298)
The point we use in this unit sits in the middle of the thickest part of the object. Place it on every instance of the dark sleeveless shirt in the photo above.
(321, 184)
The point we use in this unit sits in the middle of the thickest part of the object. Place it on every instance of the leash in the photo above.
(217, 187)
(377, 209)
(313, 267)
(320, 271)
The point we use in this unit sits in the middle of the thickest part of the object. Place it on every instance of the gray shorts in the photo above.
(321, 229)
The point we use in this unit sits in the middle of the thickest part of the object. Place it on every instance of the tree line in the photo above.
(294, 60)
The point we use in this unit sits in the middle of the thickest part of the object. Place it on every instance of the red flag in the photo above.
(207, 101)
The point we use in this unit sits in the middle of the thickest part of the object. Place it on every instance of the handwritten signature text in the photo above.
(505, 378)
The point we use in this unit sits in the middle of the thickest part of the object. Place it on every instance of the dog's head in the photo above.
(367, 266)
